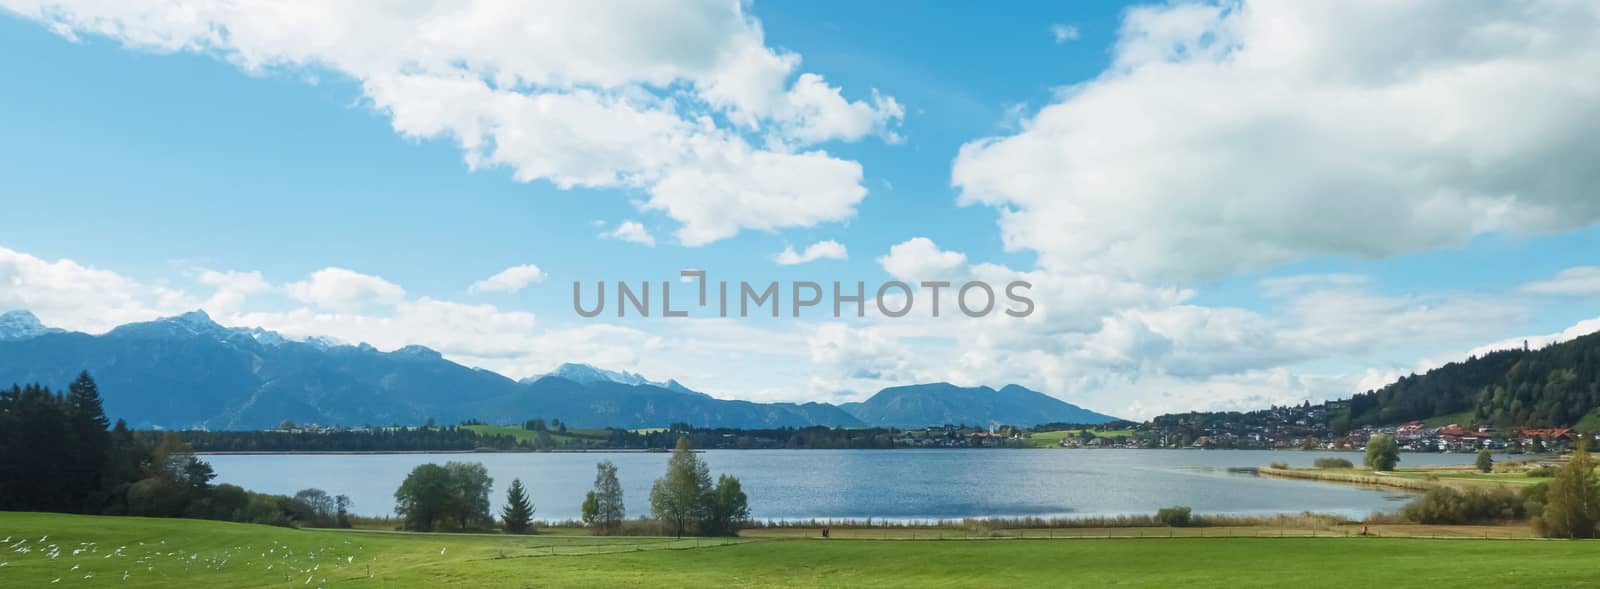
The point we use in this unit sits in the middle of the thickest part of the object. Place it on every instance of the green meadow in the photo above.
(81, 551)
(1053, 439)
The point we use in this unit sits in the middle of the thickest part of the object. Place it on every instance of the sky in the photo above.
(1218, 206)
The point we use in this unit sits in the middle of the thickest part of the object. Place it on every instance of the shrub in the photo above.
(1334, 463)
(1177, 517)
(1448, 505)
(1279, 466)
(1572, 500)
(1543, 472)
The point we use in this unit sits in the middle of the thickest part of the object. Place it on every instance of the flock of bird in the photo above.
(88, 562)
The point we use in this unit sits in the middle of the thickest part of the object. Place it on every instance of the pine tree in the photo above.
(83, 403)
(518, 512)
(88, 445)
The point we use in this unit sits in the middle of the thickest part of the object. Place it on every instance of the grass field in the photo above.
(574, 438)
(1053, 439)
(137, 552)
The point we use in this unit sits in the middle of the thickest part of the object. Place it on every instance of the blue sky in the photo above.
(1219, 206)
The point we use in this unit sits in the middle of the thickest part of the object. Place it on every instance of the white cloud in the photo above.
(511, 279)
(573, 92)
(232, 288)
(815, 112)
(919, 259)
(341, 289)
(1063, 33)
(631, 231)
(738, 187)
(1580, 280)
(66, 294)
(1235, 138)
(822, 250)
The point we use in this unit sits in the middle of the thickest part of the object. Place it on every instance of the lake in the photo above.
(857, 484)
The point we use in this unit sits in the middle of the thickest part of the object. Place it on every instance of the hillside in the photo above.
(1557, 385)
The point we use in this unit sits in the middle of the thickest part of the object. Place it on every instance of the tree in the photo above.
(728, 509)
(1485, 461)
(89, 445)
(1572, 504)
(1382, 453)
(608, 508)
(470, 485)
(590, 510)
(423, 497)
(679, 498)
(518, 513)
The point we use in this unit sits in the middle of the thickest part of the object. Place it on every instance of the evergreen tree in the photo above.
(83, 403)
(1485, 461)
(679, 498)
(518, 512)
(1572, 507)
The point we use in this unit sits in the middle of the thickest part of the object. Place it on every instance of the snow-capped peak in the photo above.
(21, 324)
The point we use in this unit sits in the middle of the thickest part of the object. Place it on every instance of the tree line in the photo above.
(455, 497)
(396, 439)
(57, 454)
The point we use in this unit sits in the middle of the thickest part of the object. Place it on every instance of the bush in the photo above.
(1279, 466)
(1177, 517)
(1334, 463)
(1572, 500)
(1543, 472)
(1447, 505)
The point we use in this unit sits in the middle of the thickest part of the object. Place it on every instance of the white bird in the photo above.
(124, 575)
(441, 550)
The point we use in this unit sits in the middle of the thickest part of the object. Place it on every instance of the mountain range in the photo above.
(188, 371)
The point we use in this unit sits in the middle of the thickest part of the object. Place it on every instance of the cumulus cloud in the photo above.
(822, 250)
(631, 231)
(1238, 137)
(1581, 280)
(1063, 33)
(64, 293)
(577, 93)
(511, 279)
(919, 259)
(341, 289)
(232, 288)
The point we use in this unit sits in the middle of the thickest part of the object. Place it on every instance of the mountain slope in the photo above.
(943, 403)
(187, 371)
(20, 325)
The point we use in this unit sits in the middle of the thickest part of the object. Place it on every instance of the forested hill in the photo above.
(1554, 386)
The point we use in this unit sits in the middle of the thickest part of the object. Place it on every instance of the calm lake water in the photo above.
(882, 484)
